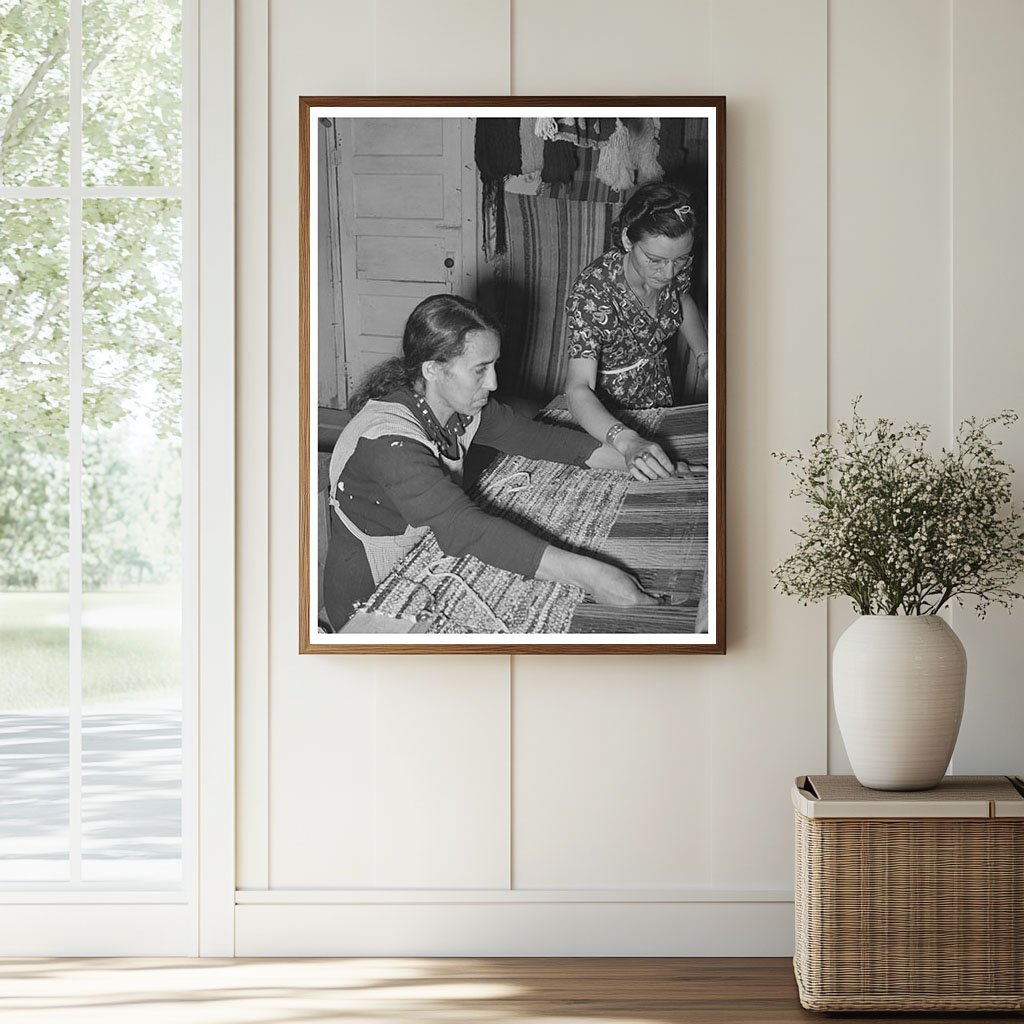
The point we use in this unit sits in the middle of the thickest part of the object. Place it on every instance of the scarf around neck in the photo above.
(445, 437)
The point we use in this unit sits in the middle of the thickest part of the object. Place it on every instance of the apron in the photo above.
(387, 419)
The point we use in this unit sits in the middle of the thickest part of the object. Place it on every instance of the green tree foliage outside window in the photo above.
(131, 304)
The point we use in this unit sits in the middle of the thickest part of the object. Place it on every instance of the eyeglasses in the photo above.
(657, 262)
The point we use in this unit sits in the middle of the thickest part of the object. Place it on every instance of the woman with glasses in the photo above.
(625, 312)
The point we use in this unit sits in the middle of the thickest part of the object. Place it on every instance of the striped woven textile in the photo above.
(549, 242)
(575, 508)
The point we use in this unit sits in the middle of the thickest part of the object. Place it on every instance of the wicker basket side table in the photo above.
(910, 901)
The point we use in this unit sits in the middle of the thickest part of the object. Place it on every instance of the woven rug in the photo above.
(574, 508)
(464, 595)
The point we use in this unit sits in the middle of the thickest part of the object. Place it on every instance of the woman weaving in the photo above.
(396, 468)
(624, 312)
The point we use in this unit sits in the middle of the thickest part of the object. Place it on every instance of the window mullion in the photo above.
(75, 334)
(94, 191)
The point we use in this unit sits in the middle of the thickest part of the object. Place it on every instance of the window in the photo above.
(95, 457)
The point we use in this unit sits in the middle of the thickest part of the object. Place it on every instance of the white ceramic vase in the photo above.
(898, 685)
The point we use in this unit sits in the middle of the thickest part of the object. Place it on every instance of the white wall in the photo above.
(587, 805)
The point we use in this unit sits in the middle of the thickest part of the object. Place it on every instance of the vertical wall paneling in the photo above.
(769, 692)
(323, 744)
(889, 208)
(320, 708)
(442, 48)
(323, 764)
(986, 366)
(580, 48)
(888, 223)
(594, 774)
(442, 776)
(611, 775)
(457, 827)
(253, 193)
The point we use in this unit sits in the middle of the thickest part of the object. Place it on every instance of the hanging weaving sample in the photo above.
(559, 162)
(531, 146)
(643, 150)
(580, 131)
(550, 241)
(585, 184)
(498, 154)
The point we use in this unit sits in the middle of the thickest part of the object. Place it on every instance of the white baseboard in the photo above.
(514, 928)
(96, 929)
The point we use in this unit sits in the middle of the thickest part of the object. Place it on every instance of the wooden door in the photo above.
(403, 226)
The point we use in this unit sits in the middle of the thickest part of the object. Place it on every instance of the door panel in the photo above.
(399, 225)
(399, 195)
(400, 259)
(391, 135)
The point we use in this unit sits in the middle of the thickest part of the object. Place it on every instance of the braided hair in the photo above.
(436, 330)
(655, 209)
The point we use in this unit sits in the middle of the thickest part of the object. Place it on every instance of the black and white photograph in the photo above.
(512, 375)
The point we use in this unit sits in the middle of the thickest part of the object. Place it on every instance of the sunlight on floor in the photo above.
(214, 991)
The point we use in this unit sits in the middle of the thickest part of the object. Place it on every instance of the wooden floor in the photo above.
(413, 991)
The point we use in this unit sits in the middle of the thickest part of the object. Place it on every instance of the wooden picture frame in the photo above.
(405, 197)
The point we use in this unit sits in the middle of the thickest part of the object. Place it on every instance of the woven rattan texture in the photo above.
(916, 914)
(959, 787)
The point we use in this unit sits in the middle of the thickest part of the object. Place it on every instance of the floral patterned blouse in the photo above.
(607, 322)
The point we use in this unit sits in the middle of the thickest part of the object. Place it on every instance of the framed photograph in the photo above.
(512, 375)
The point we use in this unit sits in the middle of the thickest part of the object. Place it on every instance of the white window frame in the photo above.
(62, 919)
(216, 393)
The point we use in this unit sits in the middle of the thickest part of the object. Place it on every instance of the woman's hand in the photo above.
(606, 583)
(645, 460)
